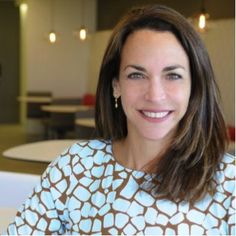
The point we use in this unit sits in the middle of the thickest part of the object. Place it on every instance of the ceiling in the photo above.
(110, 11)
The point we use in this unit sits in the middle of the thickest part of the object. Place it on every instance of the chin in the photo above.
(160, 135)
(157, 137)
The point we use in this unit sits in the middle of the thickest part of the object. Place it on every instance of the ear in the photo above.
(116, 88)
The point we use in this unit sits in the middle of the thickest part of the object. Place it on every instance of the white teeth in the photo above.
(155, 114)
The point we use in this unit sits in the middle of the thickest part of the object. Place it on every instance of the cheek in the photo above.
(127, 98)
(180, 96)
(183, 100)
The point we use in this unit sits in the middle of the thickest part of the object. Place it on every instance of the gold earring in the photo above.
(116, 102)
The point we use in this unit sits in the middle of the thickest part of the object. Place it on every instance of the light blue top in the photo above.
(86, 191)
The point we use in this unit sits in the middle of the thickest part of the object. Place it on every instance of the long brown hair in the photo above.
(188, 166)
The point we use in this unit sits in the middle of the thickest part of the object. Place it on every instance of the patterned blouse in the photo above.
(86, 191)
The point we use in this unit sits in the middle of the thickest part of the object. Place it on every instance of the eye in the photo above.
(136, 75)
(174, 76)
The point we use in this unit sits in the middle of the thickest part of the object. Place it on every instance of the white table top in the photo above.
(43, 151)
(65, 108)
(88, 122)
(35, 99)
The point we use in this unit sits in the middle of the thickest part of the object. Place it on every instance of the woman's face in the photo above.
(154, 83)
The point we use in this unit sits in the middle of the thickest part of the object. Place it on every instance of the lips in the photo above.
(155, 114)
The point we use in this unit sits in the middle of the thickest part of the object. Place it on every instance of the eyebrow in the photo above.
(166, 69)
(136, 67)
(169, 68)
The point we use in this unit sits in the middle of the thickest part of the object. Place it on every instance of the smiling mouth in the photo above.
(156, 115)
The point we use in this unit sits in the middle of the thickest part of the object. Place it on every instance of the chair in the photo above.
(34, 110)
(66, 100)
(88, 99)
(83, 132)
(15, 188)
(231, 132)
(59, 124)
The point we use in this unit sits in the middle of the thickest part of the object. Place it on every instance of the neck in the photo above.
(137, 154)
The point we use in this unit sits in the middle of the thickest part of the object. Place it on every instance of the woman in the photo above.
(159, 166)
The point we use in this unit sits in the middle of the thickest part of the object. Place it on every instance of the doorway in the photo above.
(9, 62)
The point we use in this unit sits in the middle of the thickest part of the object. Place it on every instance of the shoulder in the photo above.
(79, 157)
(227, 165)
(89, 146)
(226, 173)
(82, 151)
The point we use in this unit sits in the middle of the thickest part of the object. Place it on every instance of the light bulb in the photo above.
(52, 37)
(202, 21)
(23, 8)
(82, 33)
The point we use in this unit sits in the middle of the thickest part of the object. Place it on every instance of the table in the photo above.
(65, 108)
(35, 99)
(87, 122)
(42, 151)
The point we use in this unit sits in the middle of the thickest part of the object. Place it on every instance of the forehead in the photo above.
(150, 45)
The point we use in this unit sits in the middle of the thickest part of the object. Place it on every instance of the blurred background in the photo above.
(67, 65)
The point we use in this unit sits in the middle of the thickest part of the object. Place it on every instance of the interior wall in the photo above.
(98, 43)
(61, 68)
(219, 40)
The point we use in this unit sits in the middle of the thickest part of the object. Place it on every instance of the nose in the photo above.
(156, 90)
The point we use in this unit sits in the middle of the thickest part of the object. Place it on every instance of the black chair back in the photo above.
(84, 132)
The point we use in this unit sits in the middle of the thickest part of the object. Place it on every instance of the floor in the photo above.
(13, 135)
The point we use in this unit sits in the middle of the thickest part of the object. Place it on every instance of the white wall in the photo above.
(63, 67)
(219, 40)
(98, 43)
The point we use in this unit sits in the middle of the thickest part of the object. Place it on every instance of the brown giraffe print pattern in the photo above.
(86, 191)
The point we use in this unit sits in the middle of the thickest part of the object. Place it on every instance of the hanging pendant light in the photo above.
(52, 37)
(82, 32)
(202, 18)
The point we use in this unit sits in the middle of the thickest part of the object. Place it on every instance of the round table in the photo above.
(42, 151)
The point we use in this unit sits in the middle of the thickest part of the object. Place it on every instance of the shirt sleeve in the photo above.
(229, 187)
(42, 212)
(232, 208)
(232, 217)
